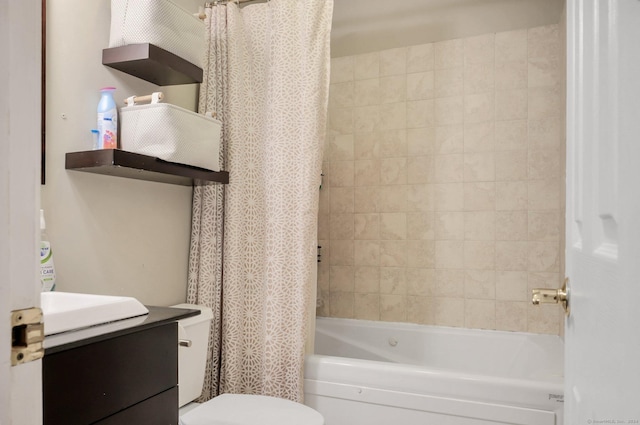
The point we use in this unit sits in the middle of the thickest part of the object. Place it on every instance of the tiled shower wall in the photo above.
(441, 201)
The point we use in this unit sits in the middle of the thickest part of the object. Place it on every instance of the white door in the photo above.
(20, 386)
(602, 359)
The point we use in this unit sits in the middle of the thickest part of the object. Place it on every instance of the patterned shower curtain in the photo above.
(266, 76)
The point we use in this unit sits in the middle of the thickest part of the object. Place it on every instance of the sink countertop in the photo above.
(157, 316)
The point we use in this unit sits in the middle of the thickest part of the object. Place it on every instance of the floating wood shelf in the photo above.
(116, 162)
(151, 63)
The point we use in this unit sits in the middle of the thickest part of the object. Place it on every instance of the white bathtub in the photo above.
(370, 373)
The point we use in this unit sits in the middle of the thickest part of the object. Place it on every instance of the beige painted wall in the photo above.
(442, 201)
(110, 235)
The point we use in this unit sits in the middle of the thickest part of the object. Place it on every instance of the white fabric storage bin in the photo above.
(171, 133)
(159, 22)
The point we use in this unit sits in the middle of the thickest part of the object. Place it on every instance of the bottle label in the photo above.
(108, 127)
(47, 270)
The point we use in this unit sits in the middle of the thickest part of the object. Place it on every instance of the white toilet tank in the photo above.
(192, 360)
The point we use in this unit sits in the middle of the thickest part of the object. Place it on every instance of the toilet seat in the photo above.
(243, 409)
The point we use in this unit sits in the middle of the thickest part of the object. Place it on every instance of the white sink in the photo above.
(65, 311)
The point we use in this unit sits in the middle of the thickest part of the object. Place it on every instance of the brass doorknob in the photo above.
(553, 296)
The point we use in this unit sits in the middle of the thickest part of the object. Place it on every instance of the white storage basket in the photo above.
(159, 22)
(171, 133)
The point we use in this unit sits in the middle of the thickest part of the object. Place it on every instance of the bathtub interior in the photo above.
(514, 355)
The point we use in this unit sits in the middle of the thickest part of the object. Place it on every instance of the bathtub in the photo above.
(370, 373)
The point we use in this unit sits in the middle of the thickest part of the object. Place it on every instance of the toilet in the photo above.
(236, 409)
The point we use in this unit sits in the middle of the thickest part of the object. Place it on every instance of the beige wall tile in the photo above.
(365, 253)
(449, 168)
(511, 316)
(544, 41)
(420, 169)
(480, 314)
(341, 200)
(367, 306)
(449, 139)
(393, 226)
(366, 226)
(341, 253)
(341, 226)
(341, 304)
(421, 141)
(420, 58)
(449, 311)
(512, 286)
(480, 284)
(544, 102)
(511, 135)
(340, 174)
(420, 281)
(324, 310)
(420, 197)
(341, 95)
(421, 253)
(511, 165)
(393, 61)
(341, 120)
(511, 75)
(448, 82)
(392, 116)
(511, 195)
(449, 283)
(393, 308)
(393, 253)
(420, 310)
(366, 66)
(449, 254)
(420, 113)
(479, 137)
(366, 279)
(544, 194)
(393, 171)
(420, 86)
(544, 164)
(341, 147)
(392, 143)
(480, 196)
(366, 145)
(449, 225)
(342, 69)
(478, 78)
(324, 267)
(365, 199)
(544, 319)
(479, 108)
(511, 104)
(393, 89)
(480, 225)
(511, 46)
(545, 133)
(449, 54)
(512, 255)
(323, 226)
(421, 226)
(324, 202)
(366, 118)
(366, 92)
(511, 225)
(544, 256)
(393, 280)
(479, 255)
(479, 49)
(544, 72)
(479, 167)
(367, 172)
(449, 197)
(341, 278)
(449, 110)
(544, 225)
(392, 198)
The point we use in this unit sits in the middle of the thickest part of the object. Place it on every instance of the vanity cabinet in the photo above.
(128, 376)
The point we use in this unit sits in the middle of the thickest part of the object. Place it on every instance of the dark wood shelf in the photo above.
(116, 162)
(151, 63)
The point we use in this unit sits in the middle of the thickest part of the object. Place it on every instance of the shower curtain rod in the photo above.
(211, 4)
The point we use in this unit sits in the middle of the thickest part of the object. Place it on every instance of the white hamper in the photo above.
(159, 22)
(171, 133)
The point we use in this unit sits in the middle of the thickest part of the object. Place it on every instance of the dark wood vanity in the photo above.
(120, 373)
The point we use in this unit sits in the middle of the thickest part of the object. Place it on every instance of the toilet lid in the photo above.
(242, 409)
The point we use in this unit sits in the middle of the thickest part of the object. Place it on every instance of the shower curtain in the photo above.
(266, 76)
